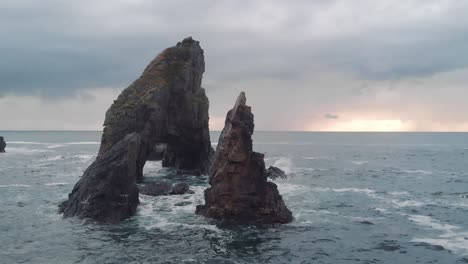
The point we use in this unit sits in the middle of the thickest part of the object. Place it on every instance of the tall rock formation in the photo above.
(240, 191)
(2, 145)
(166, 105)
(164, 110)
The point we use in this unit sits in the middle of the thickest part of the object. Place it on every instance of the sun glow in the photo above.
(377, 125)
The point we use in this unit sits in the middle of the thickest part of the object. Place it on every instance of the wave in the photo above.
(407, 203)
(340, 190)
(401, 193)
(25, 150)
(55, 146)
(27, 142)
(15, 185)
(56, 184)
(54, 158)
(84, 157)
(84, 143)
(318, 158)
(417, 172)
(285, 164)
(451, 238)
(359, 162)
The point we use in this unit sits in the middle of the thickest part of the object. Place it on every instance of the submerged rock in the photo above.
(240, 191)
(2, 145)
(107, 191)
(163, 113)
(164, 188)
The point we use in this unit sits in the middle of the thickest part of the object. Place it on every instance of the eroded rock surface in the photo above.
(240, 190)
(166, 105)
(2, 145)
(164, 113)
(107, 191)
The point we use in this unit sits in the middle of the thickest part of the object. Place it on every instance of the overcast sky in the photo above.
(316, 65)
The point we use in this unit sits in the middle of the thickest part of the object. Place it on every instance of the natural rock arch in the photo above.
(167, 106)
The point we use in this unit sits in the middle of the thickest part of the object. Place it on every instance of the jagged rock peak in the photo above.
(240, 191)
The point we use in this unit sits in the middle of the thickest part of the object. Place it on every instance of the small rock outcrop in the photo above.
(107, 191)
(165, 188)
(275, 173)
(161, 115)
(240, 191)
(2, 145)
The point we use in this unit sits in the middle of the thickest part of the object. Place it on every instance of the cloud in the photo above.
(55, 48)
(363, 57)
(330, 116)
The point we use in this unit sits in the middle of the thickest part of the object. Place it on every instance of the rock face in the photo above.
(107, 192)
(240, 191)
(166, 105)
(2, 145)
(162, 115)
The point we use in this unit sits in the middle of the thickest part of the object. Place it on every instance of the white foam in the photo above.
(359, 162)
(285, 164)
(153, 165)
(402, 193)
(318, 158)
(25, 150)
(84, 157)
(286, 187)
(54, 158)
(27, 142)
(15, 185)
(366, 191)
(382, 210)
(418, 172)
(432, 223)
(84, 143)
(407, 203)
(356, 190)
(451, 238)
(55, 146)
(56, 184)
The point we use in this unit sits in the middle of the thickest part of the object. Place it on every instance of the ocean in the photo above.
(355, 197)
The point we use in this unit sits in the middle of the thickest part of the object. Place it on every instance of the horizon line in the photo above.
(283, 131)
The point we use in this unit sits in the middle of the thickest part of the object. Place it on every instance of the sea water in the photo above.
(355, 197)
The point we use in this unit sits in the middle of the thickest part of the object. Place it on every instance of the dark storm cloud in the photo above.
(56, 48)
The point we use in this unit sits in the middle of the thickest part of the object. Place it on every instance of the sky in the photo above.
(305, 65)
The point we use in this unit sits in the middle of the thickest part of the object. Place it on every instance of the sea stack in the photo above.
(166, 109)
(240, 191)
(2, 145)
